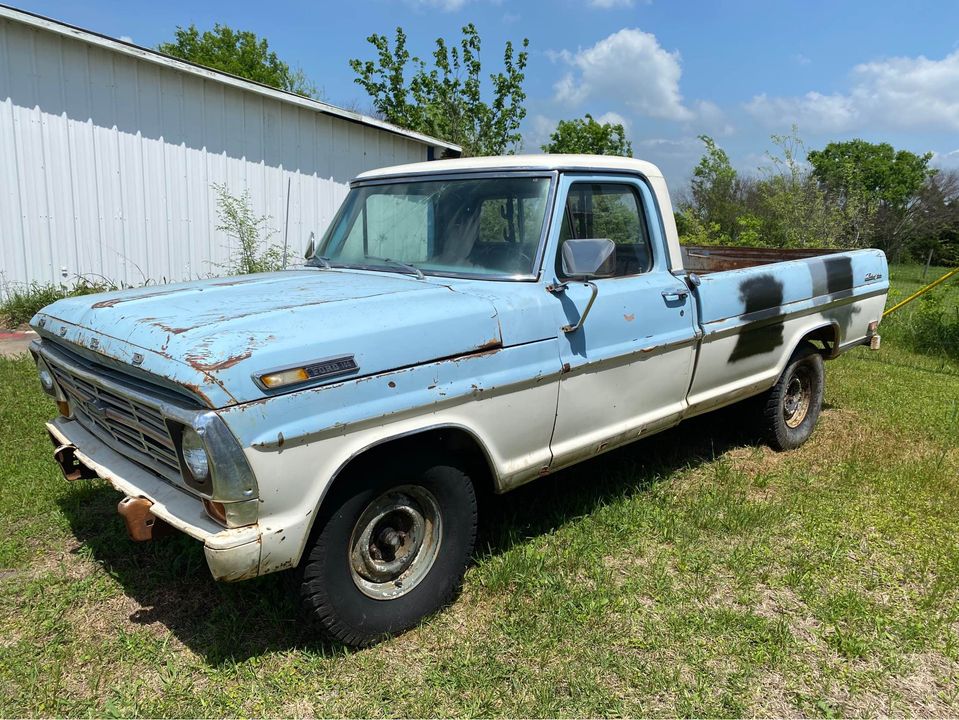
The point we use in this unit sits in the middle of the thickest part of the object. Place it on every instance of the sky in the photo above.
(667, 70)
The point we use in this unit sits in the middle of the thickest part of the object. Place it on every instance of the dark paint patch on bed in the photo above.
(762, 292)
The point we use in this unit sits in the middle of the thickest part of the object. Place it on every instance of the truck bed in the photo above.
(755, 304)
(704, 259)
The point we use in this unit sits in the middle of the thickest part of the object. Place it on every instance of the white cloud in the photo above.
(628, 65)
(813, 111)
(613, 118)
(607, 4)
(946, 161)
(900, 93)
(801, 59)
(537, 132)
(444, 5)
(126, 39)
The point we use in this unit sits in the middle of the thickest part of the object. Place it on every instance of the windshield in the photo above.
(478, 226)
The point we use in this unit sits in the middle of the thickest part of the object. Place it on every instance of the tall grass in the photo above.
(19, 303)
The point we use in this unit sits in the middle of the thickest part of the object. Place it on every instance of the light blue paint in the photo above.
(421, 343)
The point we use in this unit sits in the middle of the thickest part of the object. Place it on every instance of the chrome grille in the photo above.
(132, 428)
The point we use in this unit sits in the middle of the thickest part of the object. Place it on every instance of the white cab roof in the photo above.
(520, 162)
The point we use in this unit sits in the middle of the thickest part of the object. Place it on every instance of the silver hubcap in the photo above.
(797, 399)
(395, 542)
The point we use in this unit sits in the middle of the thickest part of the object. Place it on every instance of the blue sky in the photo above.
(883, 71)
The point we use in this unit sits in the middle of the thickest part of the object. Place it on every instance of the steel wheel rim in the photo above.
(797, 398)
(395, 542)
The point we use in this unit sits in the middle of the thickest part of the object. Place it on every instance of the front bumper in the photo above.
(232, 554)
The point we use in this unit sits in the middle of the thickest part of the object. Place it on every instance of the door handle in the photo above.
(671, 295)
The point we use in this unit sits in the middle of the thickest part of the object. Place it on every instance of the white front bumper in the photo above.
(232, 554)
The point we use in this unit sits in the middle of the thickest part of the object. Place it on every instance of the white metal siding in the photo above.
(107, 163)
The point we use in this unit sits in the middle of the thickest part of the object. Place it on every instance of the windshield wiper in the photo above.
(405, 266)
(318, 261)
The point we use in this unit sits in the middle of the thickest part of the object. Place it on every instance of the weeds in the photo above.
(256, 253)
(20, 303)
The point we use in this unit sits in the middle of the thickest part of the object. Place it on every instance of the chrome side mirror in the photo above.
(589, 258)
(586, 260)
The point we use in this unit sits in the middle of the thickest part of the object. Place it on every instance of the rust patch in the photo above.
(391, 384)
(116, 301)
(234, 281)
(280, 440)
(106, 303)
(629, 317)
(490, 344)
(171, 330)
(203, 364)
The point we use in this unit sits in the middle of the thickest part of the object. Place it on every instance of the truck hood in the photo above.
(212, 337)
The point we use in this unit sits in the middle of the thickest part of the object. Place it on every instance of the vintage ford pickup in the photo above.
(462, 326)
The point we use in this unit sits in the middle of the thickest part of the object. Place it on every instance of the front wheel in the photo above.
(791, 408)
(391, 549)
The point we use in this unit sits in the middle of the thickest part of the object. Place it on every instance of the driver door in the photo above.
(627, 369)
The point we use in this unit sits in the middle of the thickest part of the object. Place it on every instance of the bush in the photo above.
(932, 328)
(256, 252)
(20, 303)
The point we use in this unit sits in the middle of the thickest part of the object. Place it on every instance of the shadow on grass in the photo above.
(224, 623)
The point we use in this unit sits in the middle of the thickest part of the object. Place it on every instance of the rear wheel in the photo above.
(791, 408)
(391, 549)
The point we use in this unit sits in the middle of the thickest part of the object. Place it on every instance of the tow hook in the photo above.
(142, 525)
(72, 468)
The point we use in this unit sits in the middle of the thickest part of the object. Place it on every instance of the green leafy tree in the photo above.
(796, 211)
(715, 202)
(446, 99)
(877, 188)
(238, 52)
(589, 137)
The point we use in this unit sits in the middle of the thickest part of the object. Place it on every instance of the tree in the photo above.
(238, 52)
(716, 188)
(876, 186)
(589, 137)
(446, 100)
(795, 211)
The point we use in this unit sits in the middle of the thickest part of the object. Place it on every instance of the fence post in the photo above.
(928, 263)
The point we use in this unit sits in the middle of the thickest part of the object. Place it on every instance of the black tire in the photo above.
(791, 408)
(348, 580)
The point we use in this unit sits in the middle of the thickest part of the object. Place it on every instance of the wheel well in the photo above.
(460, 444)
(828, 338)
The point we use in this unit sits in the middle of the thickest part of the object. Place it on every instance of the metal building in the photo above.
(109, 153)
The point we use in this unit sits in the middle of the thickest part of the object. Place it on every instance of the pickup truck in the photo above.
(462, 326)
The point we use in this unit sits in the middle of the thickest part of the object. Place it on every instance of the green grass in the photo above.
(695, 573)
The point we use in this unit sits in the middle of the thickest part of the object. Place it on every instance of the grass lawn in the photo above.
(694, 573)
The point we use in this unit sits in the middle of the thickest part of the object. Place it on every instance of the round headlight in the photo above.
(46, 377)
(194, 454)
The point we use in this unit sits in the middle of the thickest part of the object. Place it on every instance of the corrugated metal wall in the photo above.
(107, 163)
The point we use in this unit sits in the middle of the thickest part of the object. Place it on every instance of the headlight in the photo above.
(194, 455)
(46, 378)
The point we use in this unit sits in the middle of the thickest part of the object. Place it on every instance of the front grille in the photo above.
(129, 427)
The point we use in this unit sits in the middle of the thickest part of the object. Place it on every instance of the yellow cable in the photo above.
(920, 291)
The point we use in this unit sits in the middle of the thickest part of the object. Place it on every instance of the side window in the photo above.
(614, 211)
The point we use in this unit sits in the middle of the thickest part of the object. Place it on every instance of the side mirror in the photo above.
(589, 258)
